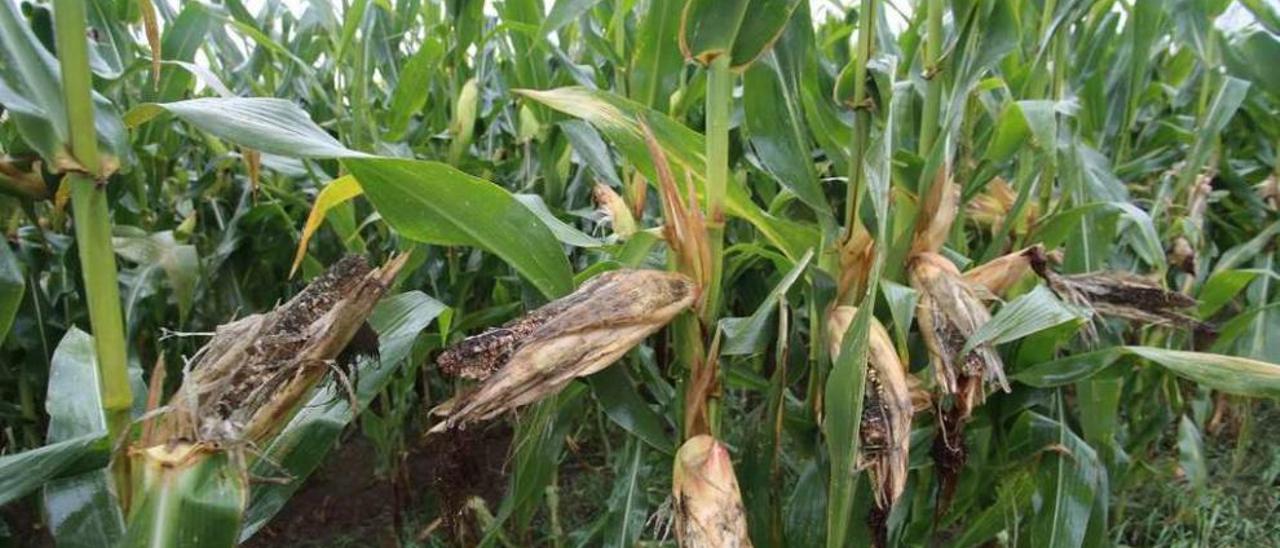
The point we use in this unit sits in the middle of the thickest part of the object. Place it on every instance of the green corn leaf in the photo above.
(750, 335)
(618, 396)
(434, 203)
(656, 63)
(1230, 374)
(564, 12)
(1191, 458)
(194, 497)
(273, 126)
(743, 29)
(1027, 314)
(82, 509)
(1069, 479)
(31, 93)
(412, 89)
(778, 136)
(618, 119)
(22, 473)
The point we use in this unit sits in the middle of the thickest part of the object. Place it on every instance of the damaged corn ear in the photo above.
(886, 411)
(615, 210)
(998, 275)
(950, 312)
(535, 356)
(245, 384)
(1126, 296)
(708, 505)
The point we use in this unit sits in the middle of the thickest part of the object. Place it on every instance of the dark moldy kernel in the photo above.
(319, 296)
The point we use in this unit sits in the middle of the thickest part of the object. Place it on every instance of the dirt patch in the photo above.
(343, 503)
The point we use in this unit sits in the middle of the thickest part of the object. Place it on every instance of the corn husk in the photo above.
(1000, 274)
(577, 335)
(1269, 192)
(615, 210)
(950, 312)
(856, 257)
(937, 213)
(993, 204)
(886, 411)
(245, 384)
(708, 506)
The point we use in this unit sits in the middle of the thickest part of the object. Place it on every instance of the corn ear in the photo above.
(1126, 296)
(886, 411)
(245, 384)
(709, 512)
(615, 209)
(950, 312)
(571, 337)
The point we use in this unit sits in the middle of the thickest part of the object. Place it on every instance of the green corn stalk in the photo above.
(93, 219)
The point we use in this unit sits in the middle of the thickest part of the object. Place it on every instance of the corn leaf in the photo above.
(12, 287)
(272, 126)
(193, 497)
(82, 510)
(463, 209)
(1027, 314)
(1230, 374)
(750, 335)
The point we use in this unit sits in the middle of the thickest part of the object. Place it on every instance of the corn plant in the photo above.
(782, 273)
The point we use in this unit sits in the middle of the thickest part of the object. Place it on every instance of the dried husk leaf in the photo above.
(856, 257)
(571, 337)
(708, 505)
(998, 275)
(990, 207)
(937, 213)
(249, 379)
(886, 411)
(950, 312)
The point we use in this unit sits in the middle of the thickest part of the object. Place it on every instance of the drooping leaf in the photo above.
(1027, 314)
(273, 126)
(617, 395)
(22, 473)
(180, 262)
(1230, 374)
(434, 203)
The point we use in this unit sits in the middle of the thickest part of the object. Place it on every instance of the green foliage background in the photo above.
(475, 134)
